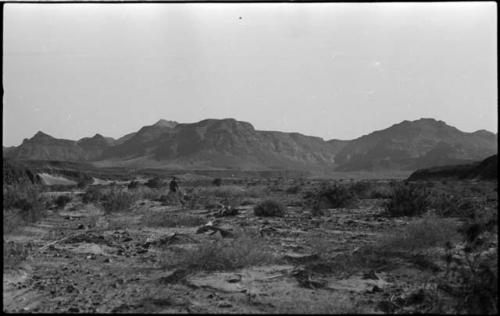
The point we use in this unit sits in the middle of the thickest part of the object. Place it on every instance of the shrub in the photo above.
(361, 188)
(62, 200)
(13, 254)
(84, 182)
(294, 189)
(471, 278)
(224, 254)
(22, 196)
(217, 182)
(381, 191)
(407, 200)
(22, 204)
(334, 196)
(155, 183)
(429, 231)
(117, 200)
(452, 205)
(92, 195)
(133, 185)
(269, 208)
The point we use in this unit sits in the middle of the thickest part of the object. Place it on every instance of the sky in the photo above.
(331, 70)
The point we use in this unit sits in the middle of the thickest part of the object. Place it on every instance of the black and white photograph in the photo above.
(250, 158)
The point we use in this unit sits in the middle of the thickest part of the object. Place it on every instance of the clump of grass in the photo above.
(171, 219)
(224, 254)
(407, 199)
(269, 208)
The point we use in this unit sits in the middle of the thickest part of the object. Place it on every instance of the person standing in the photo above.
(174, 186)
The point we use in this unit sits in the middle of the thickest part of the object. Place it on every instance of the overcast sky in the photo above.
(329, 69)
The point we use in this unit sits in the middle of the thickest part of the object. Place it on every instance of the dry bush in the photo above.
(330, 196)
(155, 183)
(217, 182)
(361, 189)
(62, 200)
(269, 208)
(407, 199)
(429, 231)
(171, 219)
(294, 189)
(13, 254)
(117, 200)
(93, 194)
(244, 250)
(22, 204)
(381, 191)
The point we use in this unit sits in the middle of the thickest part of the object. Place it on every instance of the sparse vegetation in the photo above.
(172, 219)
(330, 196)
(155, 183)
(117, 200)
(22, 204)
(13, 254)
(429, 231)
(224, 254)
(217, 182)
(407, 200)
(269, 208)
(62, 200)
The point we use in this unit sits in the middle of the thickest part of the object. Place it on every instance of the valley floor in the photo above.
(83, 260)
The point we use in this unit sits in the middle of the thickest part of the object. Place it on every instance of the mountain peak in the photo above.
(165, 123)
(41, 135)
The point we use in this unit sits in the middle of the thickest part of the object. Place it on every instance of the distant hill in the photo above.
(413, 145)
(228, 144)
(486, 169)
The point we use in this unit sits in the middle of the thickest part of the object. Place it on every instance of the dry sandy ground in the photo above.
(85, 261)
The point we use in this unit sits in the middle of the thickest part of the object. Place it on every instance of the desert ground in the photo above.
(258, 245)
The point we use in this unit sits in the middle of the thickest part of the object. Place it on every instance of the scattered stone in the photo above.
(225, 305)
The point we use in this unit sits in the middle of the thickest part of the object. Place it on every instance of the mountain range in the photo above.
(232, 144)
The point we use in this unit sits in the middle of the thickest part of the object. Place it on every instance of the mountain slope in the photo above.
(45, 147)
(417, 144)
(483, 170)
(232, 144)
(225, 143)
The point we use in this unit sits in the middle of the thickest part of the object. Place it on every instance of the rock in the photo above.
(234, 278)
(81, 226)
(73, 310)
(225, 305)
(212, 230)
